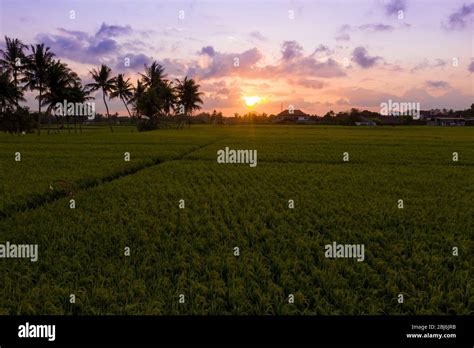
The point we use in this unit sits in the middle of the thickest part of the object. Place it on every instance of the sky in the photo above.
(315, 55)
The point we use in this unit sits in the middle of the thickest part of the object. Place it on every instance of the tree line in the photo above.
(152, 99)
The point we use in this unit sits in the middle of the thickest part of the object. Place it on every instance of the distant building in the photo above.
(364, 121)
(389, 120)
(294, 116)
(446, 121)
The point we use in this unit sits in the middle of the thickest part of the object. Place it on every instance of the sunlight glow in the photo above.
(252, 101)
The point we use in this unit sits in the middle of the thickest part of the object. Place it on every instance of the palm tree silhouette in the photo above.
(168, 95)
(188, 96)
(78, 94)
(154, 75)
(37, 66)
(138, 92)
(59, 80)
(10, 94)
(123, 89)
(104, 82)
(13, 59)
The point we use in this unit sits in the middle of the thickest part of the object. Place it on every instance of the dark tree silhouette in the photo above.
(12, 60)
(123, 89)
(189, 97)
(138, 92)
(59, 80)
(37, 66)
(154, 75)
(105, 83)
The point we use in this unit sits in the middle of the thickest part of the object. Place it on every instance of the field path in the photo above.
(41, 199)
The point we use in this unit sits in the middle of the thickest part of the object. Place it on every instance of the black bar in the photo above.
(350, 330)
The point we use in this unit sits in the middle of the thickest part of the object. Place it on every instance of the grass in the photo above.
(190, 251)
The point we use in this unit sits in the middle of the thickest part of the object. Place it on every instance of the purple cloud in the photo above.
(343, 37)
(304, 66)
(438, 84)
(322, 49)
(376, 27)
(461, 18)
(132, 62)
(438, 63)
(393, 6)
(93, 49)
(209, 50)
(257, 35)
(291, 50)
(103, 47)
(308, 83)
(79, 35)
(342, 34)
(362, 58)
(293, 63)
(471, 67)
(222, 64)
(113, 30)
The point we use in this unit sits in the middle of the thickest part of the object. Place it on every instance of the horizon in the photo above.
(366, 55)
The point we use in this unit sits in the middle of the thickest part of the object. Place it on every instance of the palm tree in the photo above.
(169, 97)
(77, 94)
(154, 75)
(37, 68)
(12, 59)
(10, 94)
(59, 80)
(104, 82)
(138, 92)
(188, 95)
(123, 90)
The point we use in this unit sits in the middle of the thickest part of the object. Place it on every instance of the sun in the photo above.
(252, 100)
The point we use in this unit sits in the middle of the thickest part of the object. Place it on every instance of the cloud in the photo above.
(308, 83)
(257, 35)
(342, 34)
(343, 37)
(453, 99)
(113, 30)
(221, 95)
(293, 63)
(103, 47)
(79, 46)
(461, 18)
(358, 96)
(362, 97)
(291, 50)
(84, 50)
(471, 67)
(425, 64)
(322, 49)
(362, 58)
(79, 35)
(134, 62)
(305, 66)
(224, 64)
(209, 50)
(376, 27)
(393, 6)
(438, 84)
(342, 101)
(343, 31)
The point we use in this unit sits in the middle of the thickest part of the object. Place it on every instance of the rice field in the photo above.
(158, 234)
